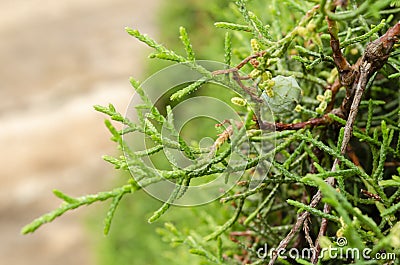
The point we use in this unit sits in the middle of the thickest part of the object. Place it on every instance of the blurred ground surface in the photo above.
(58, 58)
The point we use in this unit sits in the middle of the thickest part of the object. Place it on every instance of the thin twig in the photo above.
(249, 90)
(278, 126)
(376, 197)
(344, 68)
(241, 64)
(353, 156)
(306, 229)
(321, 233)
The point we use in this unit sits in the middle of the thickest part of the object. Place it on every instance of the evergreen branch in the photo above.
(364, 7)
(198, 249)
(391, 210)
(149, 151)
(174, 195)
(339, 173)
(163, 53)
(261, 206)
(245, 194)
(75, 203)
(64, 197)
(285, 172)
(111, 212)
(118, 163)
(259, 31)
(282, 45)
(258, 27)
(186, 42)
(228, 49)
(293, 4)
(191, 241)
(313, 211)
(309, 137)
(229, 223)
(378, 174)
(365, 36)
(341, 204)
(189, 89)
(392, 76)
(167, 56)
(394, 182)
(334, 154)
(232, 26)
(201, 252)
(294, 155)
(362, 135)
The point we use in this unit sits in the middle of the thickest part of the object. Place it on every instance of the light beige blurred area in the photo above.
(58, 59)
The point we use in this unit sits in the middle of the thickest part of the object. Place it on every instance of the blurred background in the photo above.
(58, 59)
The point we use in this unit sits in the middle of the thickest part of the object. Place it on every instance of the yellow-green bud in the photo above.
(270, 83)
(266, 75)
(320, 98)
(333, 75)
(328, 95)
(261, 60)
(354, 51)
(238, 101)
(255, 73)
(311, 27)
(270, 92)
(302, 31)
(340, 232)
(298, 108)
(255, 46)
(323, 105)
(266, 84)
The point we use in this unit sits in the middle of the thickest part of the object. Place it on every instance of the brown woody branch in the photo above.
(344, 68)
(278, 126)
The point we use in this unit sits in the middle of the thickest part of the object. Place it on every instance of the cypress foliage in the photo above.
(330, 72)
